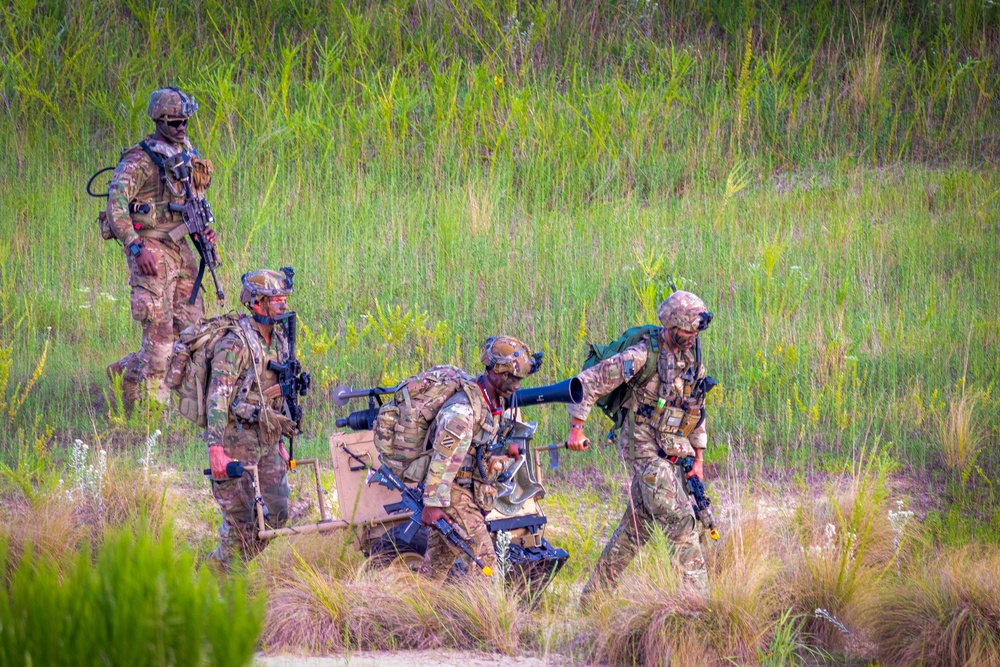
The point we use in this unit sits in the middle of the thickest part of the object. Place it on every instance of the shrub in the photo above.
(946, 613)
(138, 602)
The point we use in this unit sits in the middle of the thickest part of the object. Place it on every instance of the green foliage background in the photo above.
(823, 174)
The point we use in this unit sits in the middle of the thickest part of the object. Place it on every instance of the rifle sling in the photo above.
(197, 281)
(157, 160)
(162, 235)
(650, 367)
(631, 437)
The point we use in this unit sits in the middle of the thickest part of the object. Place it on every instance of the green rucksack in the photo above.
(612, 404)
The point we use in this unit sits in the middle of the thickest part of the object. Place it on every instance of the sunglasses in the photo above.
(176, 124)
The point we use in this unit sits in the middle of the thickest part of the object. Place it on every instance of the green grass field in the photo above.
(822, 174)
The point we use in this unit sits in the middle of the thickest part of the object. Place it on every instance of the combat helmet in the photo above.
(685, 311)
(506, 354)
(265, 282)
(171, 104)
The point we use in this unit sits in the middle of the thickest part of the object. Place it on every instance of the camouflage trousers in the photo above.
(236, 497)
(657, 499)
(466, 515)
(160, 306)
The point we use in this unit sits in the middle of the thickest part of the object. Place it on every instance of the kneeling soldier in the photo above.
(246, 419)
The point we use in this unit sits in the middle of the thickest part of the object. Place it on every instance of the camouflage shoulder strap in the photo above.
(641, 378)
(652, 361)
(252, 374)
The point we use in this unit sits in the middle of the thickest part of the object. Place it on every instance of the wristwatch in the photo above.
(134, 248)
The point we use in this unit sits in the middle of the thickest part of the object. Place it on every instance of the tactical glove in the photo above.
(273, 425)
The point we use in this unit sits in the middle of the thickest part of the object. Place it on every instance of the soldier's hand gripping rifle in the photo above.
(702, 503)
(413, 501)
(197, 215)
(293, 382)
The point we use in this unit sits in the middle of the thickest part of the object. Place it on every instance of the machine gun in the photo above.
(702, 503)
(413, 501)
(293, 382)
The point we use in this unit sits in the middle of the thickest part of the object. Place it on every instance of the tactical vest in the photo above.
(480, 469)
(244, 406)
(668, 426)
(148, 209)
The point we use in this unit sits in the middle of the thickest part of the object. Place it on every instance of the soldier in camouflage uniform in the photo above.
(245, 418)
(162, 267)
(456, 488)
(657, 494)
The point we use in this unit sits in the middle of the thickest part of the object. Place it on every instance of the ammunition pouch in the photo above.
(672, 421)
(690, 421)
(104, 226)
(246, 411)
(418, 467)
(485, 496)
(201, 173)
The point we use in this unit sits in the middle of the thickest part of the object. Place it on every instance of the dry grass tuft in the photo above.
(744, 596)
(48, 527)
(57, 522)
(947, 613)
(651, 619)
(345, 604)
(961, 437)
(846, 546)
(140, 505)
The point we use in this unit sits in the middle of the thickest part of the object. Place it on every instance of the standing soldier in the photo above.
(245, 416)
(459, 484)
(663, 420)
(161, 265)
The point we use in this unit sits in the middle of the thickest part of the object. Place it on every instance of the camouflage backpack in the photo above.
(612, 404)
(402, 427)
(190, 367)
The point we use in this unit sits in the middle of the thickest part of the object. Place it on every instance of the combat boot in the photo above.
(130, 388)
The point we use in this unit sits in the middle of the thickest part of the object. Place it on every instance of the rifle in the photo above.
(413, 501)
(702, 503)
(197, 216)
(291, 379)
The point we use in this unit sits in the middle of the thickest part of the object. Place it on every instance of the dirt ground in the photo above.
(403, 659)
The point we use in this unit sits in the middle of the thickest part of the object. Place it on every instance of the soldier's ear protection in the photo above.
(536, 362)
